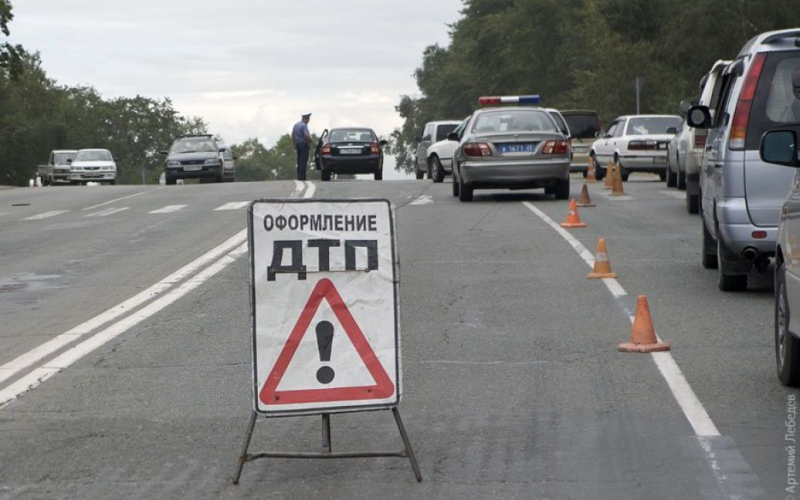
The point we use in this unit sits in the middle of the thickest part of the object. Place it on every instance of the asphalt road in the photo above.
(513, 386)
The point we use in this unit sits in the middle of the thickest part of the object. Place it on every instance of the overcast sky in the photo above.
(249, 67)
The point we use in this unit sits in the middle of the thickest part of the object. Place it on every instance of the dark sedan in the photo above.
(349, 151)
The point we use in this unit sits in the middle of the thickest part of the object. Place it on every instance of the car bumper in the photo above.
(206, 172)
(580, 161)
(644, 163)
(92, 176)
(364, 165)
(736, 229)
(513, 173)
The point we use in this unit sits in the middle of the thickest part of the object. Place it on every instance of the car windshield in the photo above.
(101, 155)
(61, 158)
(560, 122)
(652, 125)
(194, 145)
(583, 126)
(352, 135)
(522, 120)
(443, 130)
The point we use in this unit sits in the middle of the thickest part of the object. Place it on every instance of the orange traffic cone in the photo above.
(573, 219)
(602, 266)
(584, 200)
(617, 189)
(609, 176)
(643, 335)
(591, 177)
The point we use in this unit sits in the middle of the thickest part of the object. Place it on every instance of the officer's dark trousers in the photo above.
(302, 160)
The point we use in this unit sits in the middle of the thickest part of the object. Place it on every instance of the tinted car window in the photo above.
(728, 82)
(583, 126)
(443, 130)
(777, 100)
(522, 120)
(651, 125)
(93, 156)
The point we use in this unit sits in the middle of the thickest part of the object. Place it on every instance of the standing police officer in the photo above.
(302, 143)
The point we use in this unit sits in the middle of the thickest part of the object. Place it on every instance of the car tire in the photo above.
(585, 173)
(379, 175)
(682, 181)
(438, 170)
(464, 191)
(728, 282)
(455, 183)
(169, 180)
(671, 177)
(599, 173)
(325, 175)
(692, 203)
(113, 182)
(561, 189)
(420, 175)
(709, 258)
(787, 346)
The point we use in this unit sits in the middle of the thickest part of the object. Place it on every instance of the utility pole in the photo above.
(638, 86)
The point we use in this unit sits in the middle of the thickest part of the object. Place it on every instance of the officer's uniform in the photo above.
(300, 136)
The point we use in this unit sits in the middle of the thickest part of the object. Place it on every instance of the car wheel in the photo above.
(585, 173)
(169, 180)
(464, 191)
(728, 282)
(438, 170)
(661, 175)
(599, 173)
(561, 190)
(671, 177)
(682, 181)
(787, 346)
(420, 175)
(709, 259)
(692, 203)
(325, 175)
(455, 183)
(113, 182)
(379, 175)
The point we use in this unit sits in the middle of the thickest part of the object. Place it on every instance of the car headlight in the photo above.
(173, 163)
(211, 161)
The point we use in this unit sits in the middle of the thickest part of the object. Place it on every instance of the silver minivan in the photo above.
(740, 194)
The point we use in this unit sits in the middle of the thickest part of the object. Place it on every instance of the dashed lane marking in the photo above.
(169, 209)
(234, 205)
(46, 215)
(422, 200)
(114, 201)
(107, 212)
(692, 407)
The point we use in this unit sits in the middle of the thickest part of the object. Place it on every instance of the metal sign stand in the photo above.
(327, 452)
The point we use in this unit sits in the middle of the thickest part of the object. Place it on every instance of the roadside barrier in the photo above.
(602, 266)
(584, 200)
(643, 335)
(609, 176)
(617, 189)
(573, 219)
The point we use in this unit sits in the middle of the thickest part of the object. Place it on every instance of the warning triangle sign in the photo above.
(383, 387)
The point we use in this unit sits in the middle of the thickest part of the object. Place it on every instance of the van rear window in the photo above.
(583, 125)
(777, 99)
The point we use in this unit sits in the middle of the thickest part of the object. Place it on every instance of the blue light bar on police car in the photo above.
(520, 100)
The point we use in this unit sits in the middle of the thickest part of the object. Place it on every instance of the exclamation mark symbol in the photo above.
(325, 344)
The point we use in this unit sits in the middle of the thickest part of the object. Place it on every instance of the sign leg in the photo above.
(326, 433)
(245, 446)
(409, 451)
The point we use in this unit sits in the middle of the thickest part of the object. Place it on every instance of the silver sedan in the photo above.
(511, 147)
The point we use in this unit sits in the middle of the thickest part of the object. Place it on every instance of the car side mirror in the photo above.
(165, 153)
(598, 135)
(779, 147)
(699, 117)
(69, 161)
(452, 136)
(221, 150)
(672, 130)
(383, 142)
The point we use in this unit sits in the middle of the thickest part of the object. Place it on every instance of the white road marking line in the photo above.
(692, 407)
(40, 352)
(311, 190)
(675, 194)
(169, 209)
(234, 205)
(107, 212)
(46, 215)
(425, 199)
(47, 370)
(56, 343)
(114, 201)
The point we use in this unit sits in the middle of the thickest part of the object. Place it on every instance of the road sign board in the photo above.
(324, 295)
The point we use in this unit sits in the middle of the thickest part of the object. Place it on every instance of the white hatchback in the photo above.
(93, 165)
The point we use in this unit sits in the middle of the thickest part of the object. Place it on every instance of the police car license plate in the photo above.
(350, 151)
(526, 147)
(193, 168)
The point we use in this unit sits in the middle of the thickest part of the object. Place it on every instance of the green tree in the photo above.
(10, 55)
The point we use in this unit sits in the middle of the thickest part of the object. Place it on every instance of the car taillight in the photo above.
(742, 114)
(641, 145)
(326, 149)
(699, 139)
(477, 149)
(554, 148)
(374, 149)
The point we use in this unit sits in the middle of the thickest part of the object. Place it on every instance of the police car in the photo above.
(511, 143)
